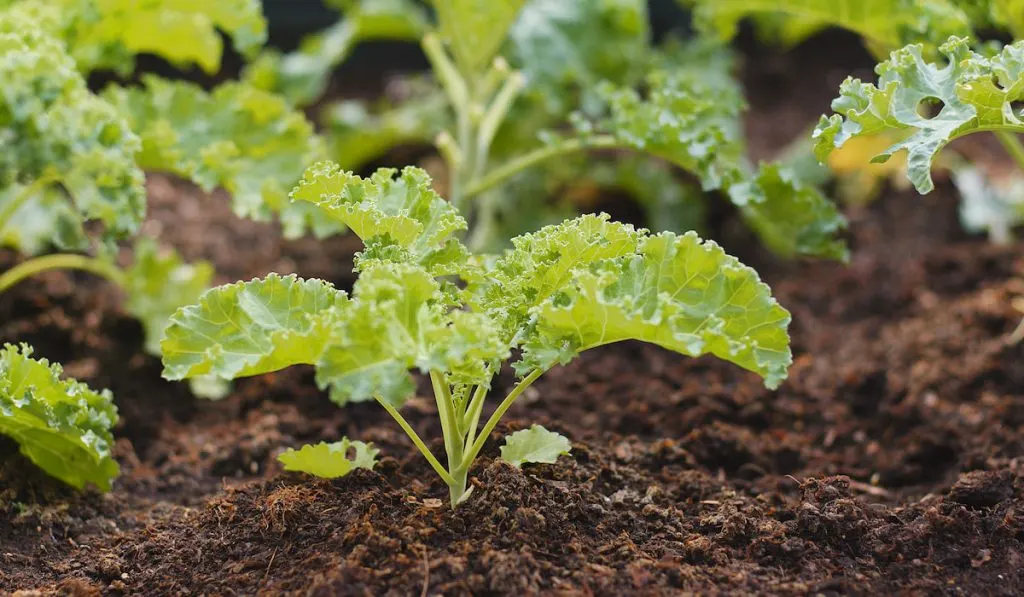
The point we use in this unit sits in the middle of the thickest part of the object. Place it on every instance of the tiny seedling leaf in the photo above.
(330, 461)
(534, 445)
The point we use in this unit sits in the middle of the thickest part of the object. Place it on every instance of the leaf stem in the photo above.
(449, 425)
(1011, 142)
(472, 419)
(493, 421)
(527, 160)
(422, 447)
(61, 261)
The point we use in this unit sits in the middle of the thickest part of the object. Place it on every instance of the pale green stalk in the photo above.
(61, 261)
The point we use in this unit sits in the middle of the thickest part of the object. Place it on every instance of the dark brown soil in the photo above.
(890, 462)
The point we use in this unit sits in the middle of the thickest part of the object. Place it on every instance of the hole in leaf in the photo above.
(1018, 108)
(930, 107)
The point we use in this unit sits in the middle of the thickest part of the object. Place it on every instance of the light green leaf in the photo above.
(789, 217)
(993, 205)
(357, 134)
(48, 219)
(403, 210)
(60, 425)
(1009, 15)
(884, 24)
(108, 34)
(158, 284)
(302, 76)
(972, 93)
(542, 264)
(248, 141)
(330, 461)
(475, 29)
(679, 292)
(54, 129)
(534, 445)
(399, 320)
(564, 46)
(248, 328)
(687, 117)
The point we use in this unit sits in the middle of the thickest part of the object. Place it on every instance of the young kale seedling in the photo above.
(423, 302)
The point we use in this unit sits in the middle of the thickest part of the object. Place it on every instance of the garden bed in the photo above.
(888, 462)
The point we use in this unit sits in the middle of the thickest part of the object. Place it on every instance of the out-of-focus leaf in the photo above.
(884, 24)
(54, 129)
(60, 425)
(110, 33)
(568, 46)
(159, 283)
(994, 206)
(302, 76)
(357, 134)
(248, 141)
(48, 219)
(789, 217)
(475, 29)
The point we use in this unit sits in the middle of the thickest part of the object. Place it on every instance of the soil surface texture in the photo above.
(890, 462)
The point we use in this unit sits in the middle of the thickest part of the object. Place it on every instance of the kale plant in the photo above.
(423, 302)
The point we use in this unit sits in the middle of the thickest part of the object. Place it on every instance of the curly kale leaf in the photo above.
(56, 133)
(108, 34)
(60, 425)
(250, 142)
(969, 93)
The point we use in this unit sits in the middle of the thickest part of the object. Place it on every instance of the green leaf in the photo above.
(357, 134)
(248, 328)
(534, 445)
(248, 141)
(1009, 15)
(475, 29)
(789, 217)
(48, 219)
(398, 320)
(330, 461)
(564, 46)
(542, 264)
(302, 76)
(402, 210)
(972, 93)
(56, 131)
(108, 34)
(590, 282)
(689, 118)
(158, 284)
(60, 425)
(884, 24)
(989, 204)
